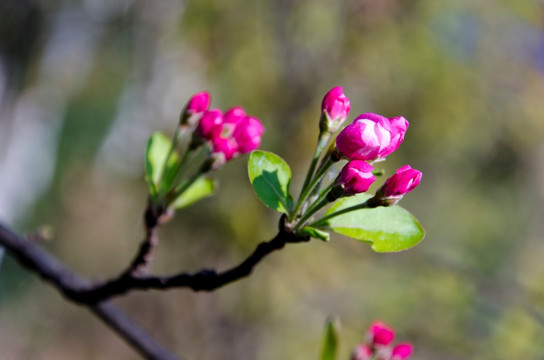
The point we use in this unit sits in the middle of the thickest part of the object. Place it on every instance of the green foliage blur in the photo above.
(83, 84)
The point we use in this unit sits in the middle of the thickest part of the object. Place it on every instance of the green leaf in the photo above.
(270, 176)
(315, 233)
(200, 189)
(156, 153)
(388, 229)
(330, 341)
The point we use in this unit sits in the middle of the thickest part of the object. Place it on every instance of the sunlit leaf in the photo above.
(270, 176)
(387, 229)
(200, 189)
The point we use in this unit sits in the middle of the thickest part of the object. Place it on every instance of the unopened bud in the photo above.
(335, 108)
(195, 107)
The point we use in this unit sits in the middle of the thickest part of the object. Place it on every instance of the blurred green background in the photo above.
(83, 84)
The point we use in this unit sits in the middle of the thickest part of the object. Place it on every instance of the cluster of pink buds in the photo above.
(370, 138)
(229, 134)
(379, 345)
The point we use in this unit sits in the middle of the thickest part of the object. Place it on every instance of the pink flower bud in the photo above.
(335, 107)
(210, 125)
(356, 177)
(402, 351)
(194, 109)
(362, 352)
(371, 136)
(226, 146)
(234, 114)
(230, 134)
(248, 134)
(380, 334)
(198, 103)
(402, 182)
(366, 138)
(399, 125)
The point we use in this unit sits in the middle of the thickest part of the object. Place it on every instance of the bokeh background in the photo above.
(84, 83)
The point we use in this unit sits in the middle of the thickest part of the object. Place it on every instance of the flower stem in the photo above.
(312, 184)
(322, 142)
(319, 199)
(366, 205)
(310, 212)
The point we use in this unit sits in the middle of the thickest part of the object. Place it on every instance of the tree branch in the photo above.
(38, 261)
(79, 290)
(204, 280)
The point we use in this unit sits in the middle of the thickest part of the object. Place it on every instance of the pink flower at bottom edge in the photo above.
(402, 351)
(381, 334)
(362, 352)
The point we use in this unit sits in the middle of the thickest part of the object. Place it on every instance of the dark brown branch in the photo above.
(78, 289)
(132, 334)
(153, 217)
(43, 264)
(204, 280)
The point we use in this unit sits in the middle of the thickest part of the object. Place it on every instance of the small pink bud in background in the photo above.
(198, 103)
(335, 107)
(229, 134)
(380, 334)
(210, 125)
(362, 352)
(402, 182)
(356, 177)
(248, 134)
(231, 119)
(402, 351)
(196, 106)
(225, 146)
(366, 138)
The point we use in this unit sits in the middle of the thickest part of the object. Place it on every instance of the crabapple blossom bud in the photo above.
(356, 177)
(365, 138)
(403, 181)
(225, 146)
(402, 351)
(229, 135)
(380, 334)
(399, 125)
(210, 125)
(248, 134)
(371, 136)
(362, 352)
(231, 119)
(197, 104)
(335, 107)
